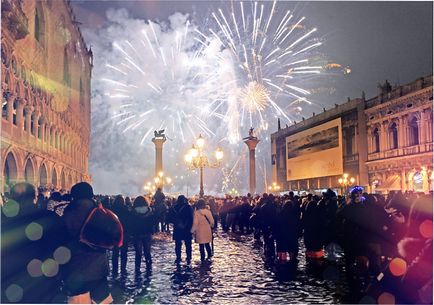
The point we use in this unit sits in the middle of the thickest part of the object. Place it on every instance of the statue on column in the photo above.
(159, 134)
(251, 134)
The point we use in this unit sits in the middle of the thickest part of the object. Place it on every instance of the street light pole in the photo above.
(201, 192)
(196, 159)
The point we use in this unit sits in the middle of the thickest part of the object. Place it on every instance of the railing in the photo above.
(405, 151)
(351, 158)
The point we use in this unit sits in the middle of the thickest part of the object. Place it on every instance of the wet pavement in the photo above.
(237, 274)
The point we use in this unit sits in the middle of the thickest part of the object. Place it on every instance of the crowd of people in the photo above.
(61, 244)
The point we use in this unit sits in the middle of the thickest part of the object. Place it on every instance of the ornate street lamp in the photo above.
(345, 182)
(274, 187)
(196, 159)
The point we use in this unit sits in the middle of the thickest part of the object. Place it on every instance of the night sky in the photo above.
(376, 40)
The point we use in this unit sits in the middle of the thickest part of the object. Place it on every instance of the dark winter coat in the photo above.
(141, 220)
(86, 263)
(181, 215)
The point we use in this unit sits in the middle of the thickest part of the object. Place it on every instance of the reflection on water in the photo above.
(237, 274)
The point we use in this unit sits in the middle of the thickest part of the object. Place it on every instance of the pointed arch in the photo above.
(43, 175)
(10, 170)
(63, 179)
(54, 179)
(29, 171)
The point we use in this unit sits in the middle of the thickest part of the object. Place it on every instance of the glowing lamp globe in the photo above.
(200, 141)
(219, 154)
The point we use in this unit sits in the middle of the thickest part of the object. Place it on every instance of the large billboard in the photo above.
(316, 152)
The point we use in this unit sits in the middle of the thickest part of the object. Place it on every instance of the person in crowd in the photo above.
(29, 237)
(160, 209)
(223, 212)
(268, 216)
(203, 222)
(142, 222)
(287, 231)
(85, 274)
(120, 209)
(313, 228)
(181, 215)
(245, 212)
(214, 210)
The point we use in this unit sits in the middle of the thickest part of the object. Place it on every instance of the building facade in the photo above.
(45, 79)
(384, 144)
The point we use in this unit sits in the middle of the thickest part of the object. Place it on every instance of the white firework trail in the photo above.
(263, 46)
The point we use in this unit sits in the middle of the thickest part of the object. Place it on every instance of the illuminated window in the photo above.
(376, 137)
(393, 136)
(414, 132)
(418, 182)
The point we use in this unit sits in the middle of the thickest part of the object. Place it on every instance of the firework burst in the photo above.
(271, 56)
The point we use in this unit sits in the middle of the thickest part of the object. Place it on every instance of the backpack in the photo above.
(102, 229)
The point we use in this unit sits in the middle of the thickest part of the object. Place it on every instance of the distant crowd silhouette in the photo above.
(56, 249)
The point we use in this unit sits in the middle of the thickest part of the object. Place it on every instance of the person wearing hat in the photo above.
(86, 272)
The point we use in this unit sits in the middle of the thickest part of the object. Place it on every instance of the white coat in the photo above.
(202, 227)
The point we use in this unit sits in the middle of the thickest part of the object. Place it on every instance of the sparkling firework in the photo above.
(271, 55)
(173, 85)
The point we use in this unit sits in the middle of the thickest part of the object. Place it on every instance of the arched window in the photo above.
(14, 116)
(414, 132)
(393, 136)
(376, 140)
(40, 24)
(40, 128)
(5, 104)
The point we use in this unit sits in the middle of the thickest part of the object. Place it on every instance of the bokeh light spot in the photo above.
(14, 293)
(11, 208)
(62, 255)
(425, 228)
(50, 267)
(386, 298)
(34, 268)
(398, 266)
(34, 231)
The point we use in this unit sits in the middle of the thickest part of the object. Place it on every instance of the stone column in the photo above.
(28, 110)
(251, 143)
(44, 122)
(403, 181)
(423, 127)
(383, 137)
(36, 116)
(20, 115)
(10, 107)
(158, 142)
(401, 132)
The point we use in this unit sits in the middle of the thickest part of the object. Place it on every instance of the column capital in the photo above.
(29, 109)
(251, 142)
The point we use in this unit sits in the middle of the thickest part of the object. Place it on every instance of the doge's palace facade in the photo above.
(45, 78)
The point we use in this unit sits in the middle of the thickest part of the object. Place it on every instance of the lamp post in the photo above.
(196, 159)
(345, 182)
(274, 187)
